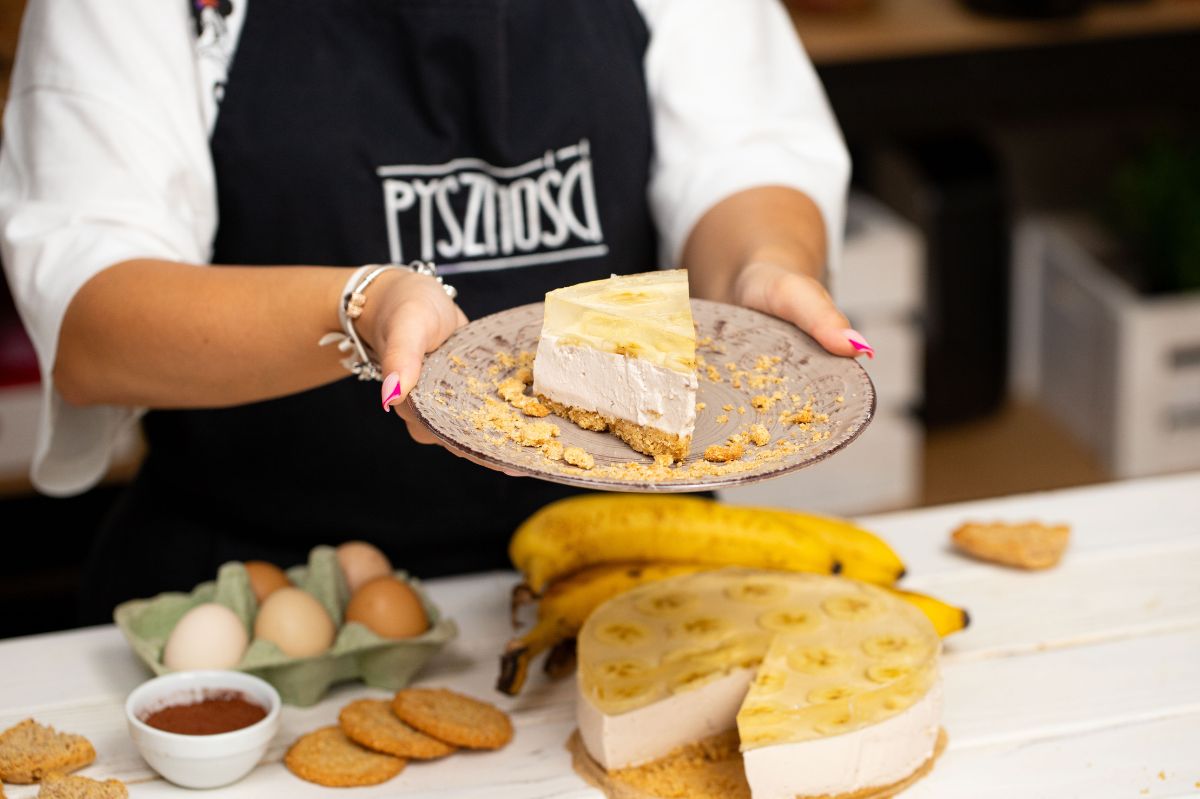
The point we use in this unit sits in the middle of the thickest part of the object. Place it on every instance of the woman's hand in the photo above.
(407, 317)
(764, 248)
(802, 300)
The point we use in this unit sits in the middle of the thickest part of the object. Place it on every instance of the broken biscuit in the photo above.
(30, 750)
(1031, 545)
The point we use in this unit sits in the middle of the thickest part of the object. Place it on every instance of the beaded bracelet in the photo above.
(361, 362)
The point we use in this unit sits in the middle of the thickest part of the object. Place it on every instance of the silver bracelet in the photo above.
(360, 361)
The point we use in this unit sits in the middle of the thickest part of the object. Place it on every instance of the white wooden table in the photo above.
(1083, 681)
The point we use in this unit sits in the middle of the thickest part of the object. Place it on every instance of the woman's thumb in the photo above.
(401, 361)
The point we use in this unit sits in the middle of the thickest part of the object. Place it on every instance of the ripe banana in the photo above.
(572, 534)
(947, 619)
(863, 555)
(566, 605)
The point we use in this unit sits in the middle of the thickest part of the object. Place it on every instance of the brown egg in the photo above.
(265, 578)
(361, 563)
(295, 622)
(388, 607)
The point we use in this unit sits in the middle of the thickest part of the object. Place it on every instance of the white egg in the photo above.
(209, 636)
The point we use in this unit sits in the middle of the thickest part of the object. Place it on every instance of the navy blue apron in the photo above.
(507, 140)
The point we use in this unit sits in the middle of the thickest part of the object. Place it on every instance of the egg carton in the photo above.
(357, 652)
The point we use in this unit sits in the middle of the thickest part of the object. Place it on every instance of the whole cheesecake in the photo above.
(833, 685)
(620, 355)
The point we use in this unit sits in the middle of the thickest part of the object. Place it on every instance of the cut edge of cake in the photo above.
(618, 355)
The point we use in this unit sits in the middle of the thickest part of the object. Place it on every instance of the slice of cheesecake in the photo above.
(620, 355)
(833, 685)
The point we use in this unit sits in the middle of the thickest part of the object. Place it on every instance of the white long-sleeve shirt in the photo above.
(106, 157)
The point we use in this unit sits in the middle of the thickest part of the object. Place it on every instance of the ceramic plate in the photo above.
(746, 356)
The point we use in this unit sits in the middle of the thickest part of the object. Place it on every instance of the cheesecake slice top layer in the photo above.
(829, 655)
(646, 316)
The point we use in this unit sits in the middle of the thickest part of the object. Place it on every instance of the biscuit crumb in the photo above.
(723, 418)
(703, 770)
(759, 436)
(727, 407)
(512, 391)
(767, 363)
(713, 374)
(577, 457)
(1032, 545)
(534, 434)
(742, 410)
(724, 453)
(802, 416)
(553, 450)
(701, 406)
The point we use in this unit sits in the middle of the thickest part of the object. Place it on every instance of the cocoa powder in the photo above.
(219, 711)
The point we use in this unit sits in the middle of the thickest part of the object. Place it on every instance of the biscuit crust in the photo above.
(708, 769)
(645, 440)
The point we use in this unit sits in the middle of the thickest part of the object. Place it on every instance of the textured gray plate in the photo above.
(837, 386)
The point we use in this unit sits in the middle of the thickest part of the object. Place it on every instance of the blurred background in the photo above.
(1022, 249)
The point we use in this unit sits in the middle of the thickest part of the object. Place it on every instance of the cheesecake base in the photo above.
(708, 769)
(646, 440)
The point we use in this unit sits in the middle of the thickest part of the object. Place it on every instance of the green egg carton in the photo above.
(357, 653)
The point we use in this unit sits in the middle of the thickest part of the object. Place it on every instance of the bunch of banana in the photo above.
(579, 552)
(862, 555)
(565, 606)
(569, 535)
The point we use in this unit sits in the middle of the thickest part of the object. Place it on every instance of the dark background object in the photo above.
(981, 89)
(1154, 207)
(1029, 9)
(45, 544)
(951, 188)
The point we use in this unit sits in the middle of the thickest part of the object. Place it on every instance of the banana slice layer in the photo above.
(830, 655)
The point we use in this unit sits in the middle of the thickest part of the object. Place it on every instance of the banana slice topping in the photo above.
(828, 655)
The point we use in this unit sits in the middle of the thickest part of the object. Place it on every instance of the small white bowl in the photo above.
(201, 761)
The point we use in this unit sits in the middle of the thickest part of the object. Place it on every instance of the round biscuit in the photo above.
(371, 723)
(327, 757)
(453, 718)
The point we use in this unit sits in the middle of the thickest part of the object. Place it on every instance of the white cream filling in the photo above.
(651, 732)
(878, 755)
(874, 756)
(617, 386)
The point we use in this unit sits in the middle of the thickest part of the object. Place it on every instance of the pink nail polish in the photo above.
(391, 390)
(858, 342)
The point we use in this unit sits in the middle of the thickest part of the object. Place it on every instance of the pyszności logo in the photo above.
(470, 216)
